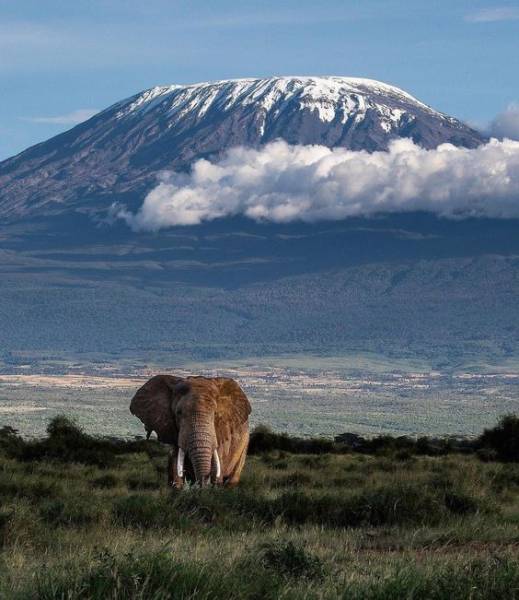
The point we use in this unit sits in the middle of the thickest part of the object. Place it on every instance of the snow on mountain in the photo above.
(328, 96)
(119, 152)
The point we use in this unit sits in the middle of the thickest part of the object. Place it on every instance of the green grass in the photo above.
(329, 525)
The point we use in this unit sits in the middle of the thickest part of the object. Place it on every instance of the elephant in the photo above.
(206, 420)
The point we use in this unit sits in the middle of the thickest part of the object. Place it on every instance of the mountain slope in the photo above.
(406, 284)
(118, 152)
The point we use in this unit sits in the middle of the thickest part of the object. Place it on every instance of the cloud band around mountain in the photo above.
(284, 183)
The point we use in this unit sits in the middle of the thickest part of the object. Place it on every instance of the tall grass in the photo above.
(100, 522)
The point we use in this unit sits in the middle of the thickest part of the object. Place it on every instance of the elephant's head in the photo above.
(198, 415)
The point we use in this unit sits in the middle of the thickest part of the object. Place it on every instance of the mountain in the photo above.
(404, 284)
(117, 153)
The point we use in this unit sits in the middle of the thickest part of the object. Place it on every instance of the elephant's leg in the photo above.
(235, 474)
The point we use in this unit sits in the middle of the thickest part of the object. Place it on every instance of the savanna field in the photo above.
(85, 517)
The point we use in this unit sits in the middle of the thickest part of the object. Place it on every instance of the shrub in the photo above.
(142, 481)
(32, 489)
(63, 427)
(315, 462)
(143, 511)
(280, 465)
(73, 512)
(10, 441)
(105, 481)
(506, 478)
(222, 505)
(5, 518)
(295, 479)
(263, 439)
(487, 455)
(385, 505)
(67, 442)
(461, 503)
(290, 560)
(503, 439)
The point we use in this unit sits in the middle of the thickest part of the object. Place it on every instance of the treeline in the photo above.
(497, 443)
(67, 442)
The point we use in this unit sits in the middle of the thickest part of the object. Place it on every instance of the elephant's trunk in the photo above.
(201, 445)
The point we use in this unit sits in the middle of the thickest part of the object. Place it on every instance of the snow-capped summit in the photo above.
(326, 95)
(120, 150)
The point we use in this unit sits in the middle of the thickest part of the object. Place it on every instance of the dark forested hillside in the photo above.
(405, 284)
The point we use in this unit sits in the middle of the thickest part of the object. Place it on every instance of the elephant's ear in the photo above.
(152, 405)
(232, 409)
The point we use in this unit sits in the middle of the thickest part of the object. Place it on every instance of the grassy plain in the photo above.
(95, 519)
(302, 395)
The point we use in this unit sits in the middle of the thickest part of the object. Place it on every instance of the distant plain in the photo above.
(302, 395)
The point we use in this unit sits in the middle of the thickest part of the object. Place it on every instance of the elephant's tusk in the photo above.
(217, 461)
(180, 463)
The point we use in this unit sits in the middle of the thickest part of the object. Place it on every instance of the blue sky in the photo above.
(59, 60)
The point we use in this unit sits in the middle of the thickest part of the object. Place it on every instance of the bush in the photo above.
(507, 477)
(63, 427)
(142, 481)
(73, 512)
(10, 441)
(398, 504)
(67, 442)
(460, 503)
(315, 462)
(143, 511)
(386, 505)
(290, 560)
(503, 439)
(105, 481)
(487, 455)
(263, 439)
(223, 505)
(32, 489)
(295, 479)
(5, 518)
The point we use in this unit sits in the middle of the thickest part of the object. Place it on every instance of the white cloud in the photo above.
(71, 118)
(506, 124)
(285, 183)
(493, 15)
